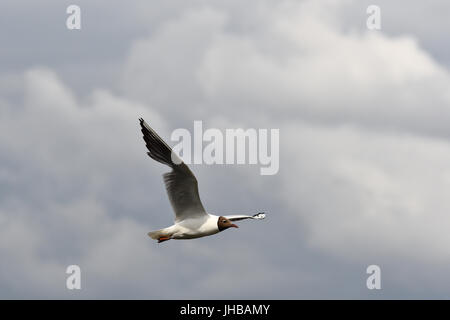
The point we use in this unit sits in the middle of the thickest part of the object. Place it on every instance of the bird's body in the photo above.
(191, 219)
(189, 228)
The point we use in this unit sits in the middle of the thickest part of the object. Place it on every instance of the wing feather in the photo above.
(237, 217)
(181, 184)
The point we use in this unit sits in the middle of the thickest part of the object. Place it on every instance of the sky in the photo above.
(364, 172)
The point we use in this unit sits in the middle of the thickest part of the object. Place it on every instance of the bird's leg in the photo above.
(162, 239)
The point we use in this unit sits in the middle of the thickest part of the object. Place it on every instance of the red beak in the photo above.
(234, 226)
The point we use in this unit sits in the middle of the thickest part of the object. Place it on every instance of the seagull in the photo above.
(191, 219)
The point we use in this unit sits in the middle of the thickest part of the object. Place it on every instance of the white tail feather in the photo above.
(157, 234)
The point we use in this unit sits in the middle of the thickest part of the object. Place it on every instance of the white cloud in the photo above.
(162, 69)
(297, 62)
(384, 193)
(303, 66)
(79, 189)
(61, 157)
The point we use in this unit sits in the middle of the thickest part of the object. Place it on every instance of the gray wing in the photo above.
(181, 184)
(238, 217)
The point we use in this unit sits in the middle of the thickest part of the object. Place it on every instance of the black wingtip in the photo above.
(259, 215)
(141, 120)
(264, 213)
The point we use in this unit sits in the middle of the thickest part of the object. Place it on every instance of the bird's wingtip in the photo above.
(259, 215)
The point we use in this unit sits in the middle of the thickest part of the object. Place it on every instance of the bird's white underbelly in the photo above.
(195, 228)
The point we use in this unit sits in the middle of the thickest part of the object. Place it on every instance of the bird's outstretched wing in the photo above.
(181, 184)
(238, 217)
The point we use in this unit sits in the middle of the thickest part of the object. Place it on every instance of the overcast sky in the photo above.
(364, 147)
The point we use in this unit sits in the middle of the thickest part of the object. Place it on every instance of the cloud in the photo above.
(327, 75)
(362, 117)
(162, 70)
(62, 161)
(78, 189)
(386, 190)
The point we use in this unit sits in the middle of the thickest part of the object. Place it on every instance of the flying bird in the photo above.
(191, 219)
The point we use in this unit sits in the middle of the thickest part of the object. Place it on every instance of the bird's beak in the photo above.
(234, 226)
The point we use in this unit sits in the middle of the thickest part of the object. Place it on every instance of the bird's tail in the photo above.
(155, 235)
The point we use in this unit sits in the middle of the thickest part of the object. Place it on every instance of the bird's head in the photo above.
(224, 223)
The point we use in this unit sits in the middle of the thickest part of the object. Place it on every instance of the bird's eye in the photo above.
(224, 221)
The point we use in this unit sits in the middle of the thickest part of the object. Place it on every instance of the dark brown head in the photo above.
(224, 223)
